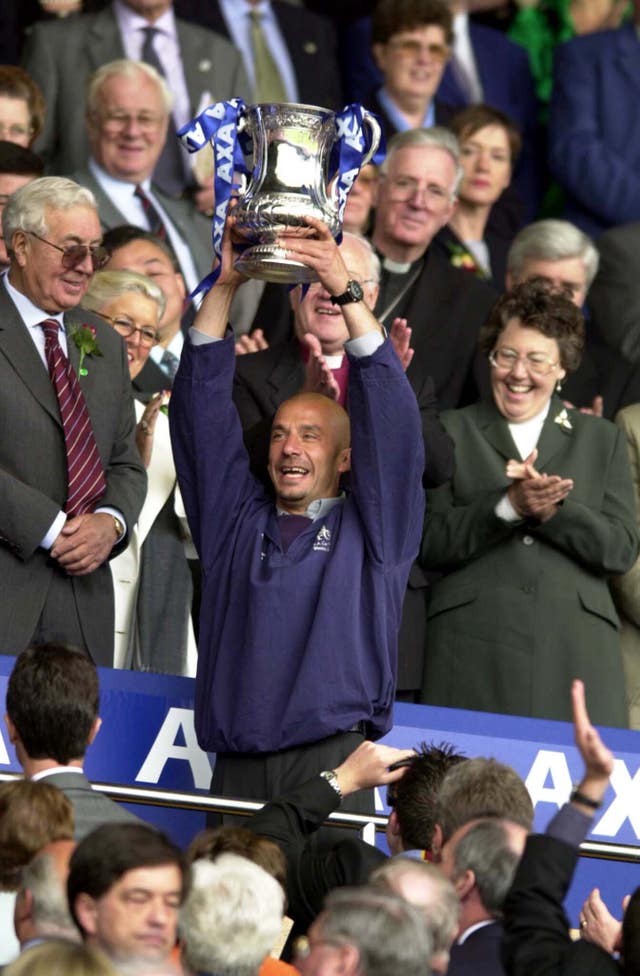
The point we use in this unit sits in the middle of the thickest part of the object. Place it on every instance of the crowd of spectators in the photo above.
(416, 479)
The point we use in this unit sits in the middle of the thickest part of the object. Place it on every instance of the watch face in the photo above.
(355, 290)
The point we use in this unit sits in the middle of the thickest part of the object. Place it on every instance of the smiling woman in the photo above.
(540, 510)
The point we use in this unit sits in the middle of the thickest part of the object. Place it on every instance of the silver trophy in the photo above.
(289, 180)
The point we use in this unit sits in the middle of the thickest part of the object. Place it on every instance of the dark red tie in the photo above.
(156, 223)
(85, 476)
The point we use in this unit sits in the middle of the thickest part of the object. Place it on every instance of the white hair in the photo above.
(232, 916)
(27, 208)
(373, 260)
(125, 68)
(105, 286)
(552, 240)
(437, 137)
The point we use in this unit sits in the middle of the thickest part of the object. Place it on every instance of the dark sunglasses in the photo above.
(75, 254)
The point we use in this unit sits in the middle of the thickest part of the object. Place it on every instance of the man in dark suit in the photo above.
(594, 130)
(614, 297)
(52, 705)
(62, 55)
(480, 860)
(54, 581)
(127, 117)
(302, 43)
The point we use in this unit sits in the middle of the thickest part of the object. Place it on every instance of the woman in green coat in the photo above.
(539, 512)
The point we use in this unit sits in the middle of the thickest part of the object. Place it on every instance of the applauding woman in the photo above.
(540, 510)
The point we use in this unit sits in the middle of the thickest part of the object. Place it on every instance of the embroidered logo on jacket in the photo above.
(323, 540)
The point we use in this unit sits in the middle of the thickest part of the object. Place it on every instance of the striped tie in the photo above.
(86, 480)
(156, 223)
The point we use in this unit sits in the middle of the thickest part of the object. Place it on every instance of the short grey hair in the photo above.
(50, 908)
(105, 286)
(431, 892)
(232, 916)
(373, 260)
(552, 240)
(27, 208)
(437, 137)
(125, 68)
(388, 933)
(482, 787)
(487, 850)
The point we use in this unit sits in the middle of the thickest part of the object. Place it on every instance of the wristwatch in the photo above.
(332, 780)
(354, 293)
(119, 527)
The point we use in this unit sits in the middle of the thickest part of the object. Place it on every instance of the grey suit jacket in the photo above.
(194, 229)
(90, 808)
(61, 55)
(33, 476)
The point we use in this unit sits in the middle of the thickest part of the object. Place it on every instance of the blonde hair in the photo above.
(108, 285)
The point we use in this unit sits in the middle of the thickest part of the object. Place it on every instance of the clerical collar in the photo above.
(396, 267)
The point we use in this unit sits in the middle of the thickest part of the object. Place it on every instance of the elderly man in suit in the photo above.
(53, 698)
(67, 504)
(128, 105)
(61, 56)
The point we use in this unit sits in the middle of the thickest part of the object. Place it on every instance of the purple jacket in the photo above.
(300, 645)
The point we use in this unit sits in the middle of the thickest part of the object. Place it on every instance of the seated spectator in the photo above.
(122, 160)
(489, 147)
(411, 42)
(125, 888)
(560, 254)
(153, 629)
(18, 166)
(31, 816)
(529, 473)
(22, 106)
(134, 249)
(537, 936)
(52, 717)
(366, 932)
(41, 909)
(231, 918)
(59, 957)
(480, 859)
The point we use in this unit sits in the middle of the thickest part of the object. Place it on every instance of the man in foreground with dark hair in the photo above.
(52, 705)
(126, 884)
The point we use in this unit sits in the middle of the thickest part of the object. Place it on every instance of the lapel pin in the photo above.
(310, 47)
(204, 65)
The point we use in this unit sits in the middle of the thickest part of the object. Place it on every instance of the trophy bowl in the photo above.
(289, 181)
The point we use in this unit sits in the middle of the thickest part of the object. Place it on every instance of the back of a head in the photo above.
(211, 843)
(422, 884)
(31, 816)
(491, 852)
(482, 788)
(19, 161)
(416, 793)
(231, 918)
(46, 883)
(108, 852)
(53, 700)
(58, 957)
(388, 932)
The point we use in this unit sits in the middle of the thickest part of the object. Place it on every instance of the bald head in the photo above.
(309, 450)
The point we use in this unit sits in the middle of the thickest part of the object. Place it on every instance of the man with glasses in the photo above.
(128, 111)
(71, 478)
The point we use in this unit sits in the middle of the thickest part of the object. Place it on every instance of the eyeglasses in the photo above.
(535, 362)
(75, 254)
(117, 121)
(410, 48)
(404, 188)
(126, 328)
(15, 131)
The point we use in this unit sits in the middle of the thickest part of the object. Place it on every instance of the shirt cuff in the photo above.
(570, 825)
(116, 514)
(504, 510)
(54, 531)
(364, 345)
(201, 338)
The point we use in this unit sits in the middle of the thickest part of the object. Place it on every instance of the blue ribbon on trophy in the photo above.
(284, 134)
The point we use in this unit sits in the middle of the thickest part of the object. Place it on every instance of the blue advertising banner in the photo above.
(148, 739)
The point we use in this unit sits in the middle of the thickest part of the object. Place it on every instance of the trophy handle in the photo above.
(374, 126)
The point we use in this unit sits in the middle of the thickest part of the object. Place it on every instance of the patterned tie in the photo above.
(170, 363)
(268, 86)
(85, 476)
(156, 223)
(171, 172)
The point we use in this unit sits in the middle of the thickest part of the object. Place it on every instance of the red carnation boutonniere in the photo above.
(84, 339)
